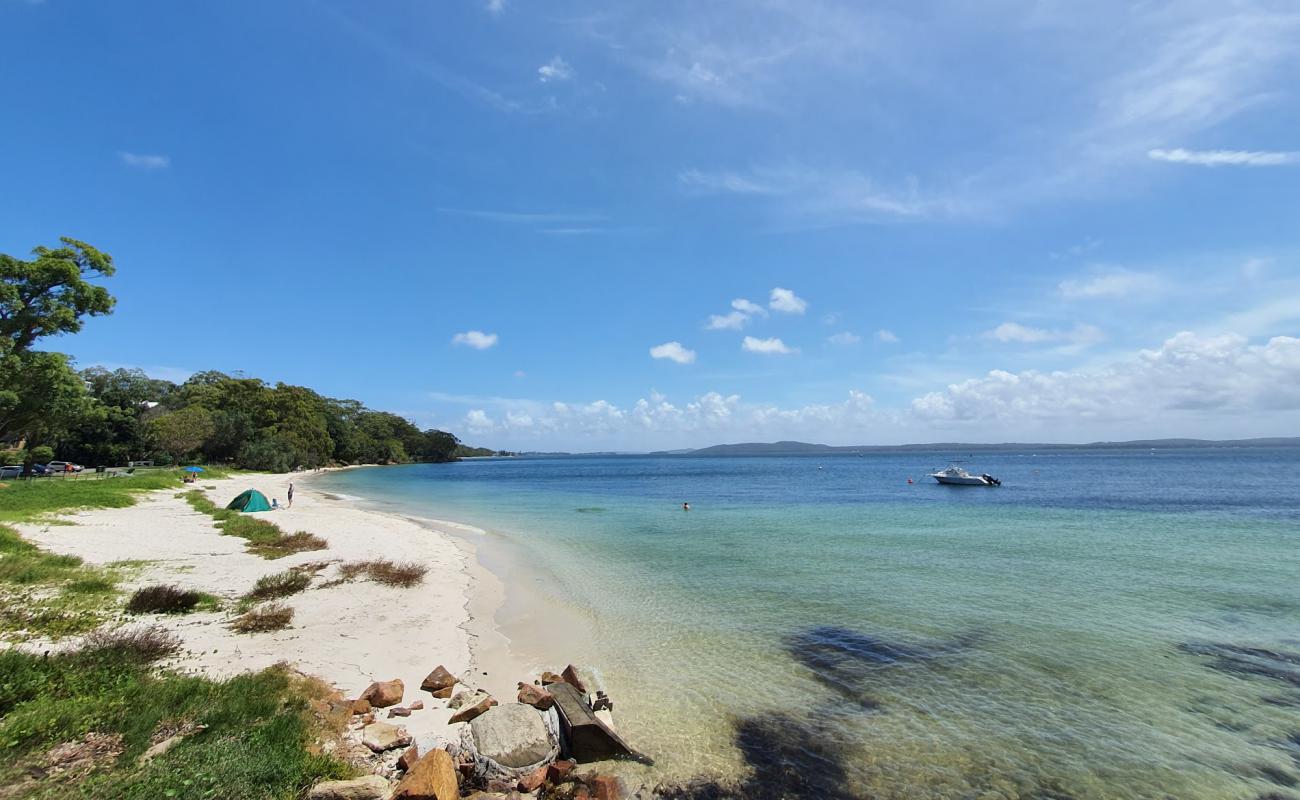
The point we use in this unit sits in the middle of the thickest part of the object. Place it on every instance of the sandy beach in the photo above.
(348, 634)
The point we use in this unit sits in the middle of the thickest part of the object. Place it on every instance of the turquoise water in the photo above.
(1119, 624)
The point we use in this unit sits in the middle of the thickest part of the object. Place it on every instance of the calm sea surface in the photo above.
(1106, 624)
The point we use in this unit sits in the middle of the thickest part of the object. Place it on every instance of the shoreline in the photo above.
(348, 635)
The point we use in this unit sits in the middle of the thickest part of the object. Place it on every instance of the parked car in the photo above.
(12, 471)
(62, 466)
(39, 469)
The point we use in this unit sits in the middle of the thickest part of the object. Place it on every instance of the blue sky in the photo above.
(661, 224)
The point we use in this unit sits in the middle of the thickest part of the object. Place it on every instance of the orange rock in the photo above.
(417, 705)
(558, 771)
(535, 696)
(533, 780)
(360, 706)
(605, 787)
(431, 778)
(382, 694)
(409, 758)
(570, 676)
(551, 677)
(443, 693)
(440, 678)
(472, 708)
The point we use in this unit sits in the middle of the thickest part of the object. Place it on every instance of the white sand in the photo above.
(349, 634)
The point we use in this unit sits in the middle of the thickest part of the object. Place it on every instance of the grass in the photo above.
(270, 617)
(170, 600)
(264, 537)
(281, 584)
(260, 743)
(390, 573)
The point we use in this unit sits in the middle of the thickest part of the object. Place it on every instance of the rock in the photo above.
(366, 719)
(398, 711)
(158, 749)
(512, 735)
(570, 676)
(417, 705)
(382, 694)
(359, 707)
(533, 780)
(558, 771)
(443, 693)
(473, 707)
(437, 680)
(408, 758)
(431, 778)
(535, 696)
(460, 698)
(380, 736)
(371, 787)
(605, 787)
(551, 677)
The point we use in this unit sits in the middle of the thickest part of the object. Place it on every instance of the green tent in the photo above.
(251, 500)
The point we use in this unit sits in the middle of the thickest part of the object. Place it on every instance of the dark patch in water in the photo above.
(1277, 776)
(590, 510)
(1248, 661)
(1282, 700)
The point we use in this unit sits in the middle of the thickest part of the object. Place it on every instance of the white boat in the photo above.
(956, 476)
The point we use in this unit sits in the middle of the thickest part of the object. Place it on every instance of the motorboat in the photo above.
(956, 476)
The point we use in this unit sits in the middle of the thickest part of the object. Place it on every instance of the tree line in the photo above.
(98, 416)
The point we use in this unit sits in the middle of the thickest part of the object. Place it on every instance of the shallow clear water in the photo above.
(1106, 624)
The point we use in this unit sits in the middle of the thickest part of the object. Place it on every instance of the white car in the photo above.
(55, 467)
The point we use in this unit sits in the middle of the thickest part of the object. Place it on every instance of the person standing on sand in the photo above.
(290, 496)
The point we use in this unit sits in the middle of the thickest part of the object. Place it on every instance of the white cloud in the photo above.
(673, 351)
(557, 69)
(475, 339)
(817, 197)
(1188, 373)
(886, 336)
(747, 307)
(1081, 335)
(844, 338)
(771, 346)
(1111, 284)
(142, 161)
(732, 321)
(495, 7)
(478, 421)
(787, 302)
(1218, 158)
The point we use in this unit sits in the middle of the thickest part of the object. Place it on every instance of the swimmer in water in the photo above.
(686, 506)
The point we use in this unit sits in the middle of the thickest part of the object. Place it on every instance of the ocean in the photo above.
(1106, 624)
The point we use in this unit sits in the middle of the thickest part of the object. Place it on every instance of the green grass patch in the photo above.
(281, 584)
(23, 501)
(260, 742)
(264, 537)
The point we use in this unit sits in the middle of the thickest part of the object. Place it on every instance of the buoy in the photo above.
(909, 480)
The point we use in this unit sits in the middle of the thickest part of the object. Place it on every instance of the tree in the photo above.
(180, 433)
(51, 294)
(39, 392)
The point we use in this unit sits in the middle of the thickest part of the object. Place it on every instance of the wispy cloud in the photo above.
(475, 339)
(557, 69)
(495, 7)
(1111, 283)
(748, 307)
(673, 351)
(773, 346)
(1013, 332)
(844, 338)
(143, 161)
(787, 302)
(732, 321)
(886, 336)
(1219, 158)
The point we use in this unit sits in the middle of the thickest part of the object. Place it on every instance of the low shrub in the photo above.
(287, 545)
(281, 584)
(390, 573)
(163, 600)
(143, 644)
(272, 617)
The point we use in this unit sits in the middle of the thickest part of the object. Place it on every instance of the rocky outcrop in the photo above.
(570, 676)
(460, 698)
(380, 736)
(370, 787)
(473, 707)
(382, 694)
(431, 778)
(535, 696)
(398, 711)
(514, 736)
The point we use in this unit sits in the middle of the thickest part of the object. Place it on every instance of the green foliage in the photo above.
(163, 600)
(280, 584)
(258, 743)
(264, 537)
(42, 454)
(39, 393)
(183, 431)
(51, 294)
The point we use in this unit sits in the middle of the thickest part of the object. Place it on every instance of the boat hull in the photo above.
(950, 480)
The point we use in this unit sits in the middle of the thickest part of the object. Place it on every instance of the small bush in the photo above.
(281, 584)
(143, 644)
(273, 617)
(163, 600)
(300, 542)
(389, 573)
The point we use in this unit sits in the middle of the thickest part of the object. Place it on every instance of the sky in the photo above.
(655, 225)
